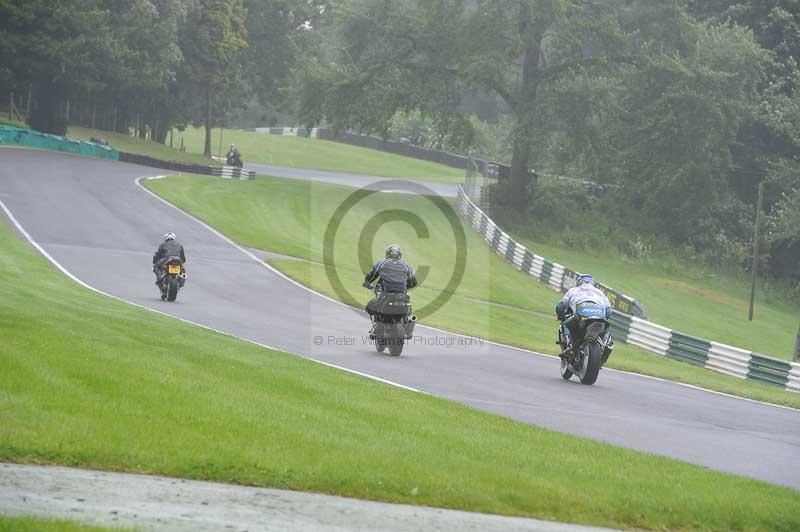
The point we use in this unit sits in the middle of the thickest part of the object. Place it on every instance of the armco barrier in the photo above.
(219, 171)
(551, 273)
(631, 329)
(454, 160)
(232, 172)
(10, 135)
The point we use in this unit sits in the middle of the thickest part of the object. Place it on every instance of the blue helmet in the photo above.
(585, 278)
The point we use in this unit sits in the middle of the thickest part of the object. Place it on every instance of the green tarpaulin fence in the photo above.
(15, 136)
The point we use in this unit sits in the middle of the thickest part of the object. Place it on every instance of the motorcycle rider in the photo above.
(233, 155)
(169, 248)
(584, 292)
(396, 276)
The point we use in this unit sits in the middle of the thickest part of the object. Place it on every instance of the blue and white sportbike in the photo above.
(586, 343)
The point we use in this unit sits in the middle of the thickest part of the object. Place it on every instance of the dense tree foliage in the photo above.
(147, 65)
(682, 107)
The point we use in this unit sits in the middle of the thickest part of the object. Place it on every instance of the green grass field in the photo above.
(90, 381)
(35, 524)
(493, 301)
(133, 144)
(709, 306)
(301, 152)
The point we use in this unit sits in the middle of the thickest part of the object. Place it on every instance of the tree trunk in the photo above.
(48, 116)
(207, 148)
(521, 180)
(94, 114)
(520, 176)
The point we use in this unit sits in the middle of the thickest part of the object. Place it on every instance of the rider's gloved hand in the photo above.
(367, 285)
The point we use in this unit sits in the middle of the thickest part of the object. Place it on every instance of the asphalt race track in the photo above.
(94, 219)
(351, 180)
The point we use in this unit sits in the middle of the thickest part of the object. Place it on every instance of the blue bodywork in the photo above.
(591, 311)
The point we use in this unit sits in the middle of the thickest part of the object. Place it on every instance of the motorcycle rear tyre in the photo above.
(172, 288)
(594, 354)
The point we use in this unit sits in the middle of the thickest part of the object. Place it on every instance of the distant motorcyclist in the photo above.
(170, 248)
(584, 292)
(394, 275)
(234, 158)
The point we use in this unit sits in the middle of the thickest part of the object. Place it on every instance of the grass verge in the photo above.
(493, 301)
(712, 306)
(302, 152)
(131, 144)
(89, 381)
(36, 524)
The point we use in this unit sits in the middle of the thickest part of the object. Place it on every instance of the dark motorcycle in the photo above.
(234, 159)
(173, 277)
(585, 353)
(392, 321)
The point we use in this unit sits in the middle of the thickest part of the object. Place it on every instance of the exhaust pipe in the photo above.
(409, 325)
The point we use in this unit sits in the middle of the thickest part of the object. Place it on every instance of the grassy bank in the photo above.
(90, 381)
(301, 152)
(493, 300)
(709, 305)
(133, 144)
(36, 524)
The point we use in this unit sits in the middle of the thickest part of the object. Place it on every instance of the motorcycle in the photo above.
(173, 277)
(392, 321)
(234, 159)
(585, 354)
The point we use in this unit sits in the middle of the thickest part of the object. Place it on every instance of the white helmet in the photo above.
(169, 236)
(394, 252)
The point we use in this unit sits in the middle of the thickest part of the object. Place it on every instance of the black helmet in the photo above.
(394, 252)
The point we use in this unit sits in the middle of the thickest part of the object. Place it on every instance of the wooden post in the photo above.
(755, 250)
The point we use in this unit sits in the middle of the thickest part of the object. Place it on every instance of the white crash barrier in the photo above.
(729, 360)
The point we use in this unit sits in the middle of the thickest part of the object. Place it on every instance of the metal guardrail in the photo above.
(556, 275)
(227, 172)
(630, 328)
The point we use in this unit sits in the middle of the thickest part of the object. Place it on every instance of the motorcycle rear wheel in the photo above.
(593, 359)
(397, 340)
(380, 345)
(172, 288)
(396, 347)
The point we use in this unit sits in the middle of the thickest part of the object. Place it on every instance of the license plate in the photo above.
(174, 268)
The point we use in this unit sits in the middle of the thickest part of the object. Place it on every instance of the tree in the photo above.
(419, 55)
(212, 42)
(55, 48)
